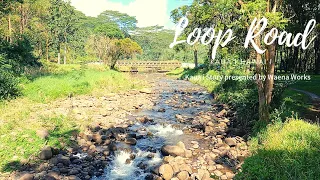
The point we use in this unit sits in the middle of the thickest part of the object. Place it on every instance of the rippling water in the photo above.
(162, 131)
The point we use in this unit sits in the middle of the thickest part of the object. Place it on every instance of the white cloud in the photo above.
(147, 12)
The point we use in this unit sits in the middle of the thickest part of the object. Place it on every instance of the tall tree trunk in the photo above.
(195, 55)
(9, 28)
(59, 57)
(270, 63)
(65, 54)
(210, 53)
(65, 49)
(47, 48)
(263, 106)
(317, 54)
(22, 19)
(295, 59)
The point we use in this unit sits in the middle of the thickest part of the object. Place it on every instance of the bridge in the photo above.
(147, 66)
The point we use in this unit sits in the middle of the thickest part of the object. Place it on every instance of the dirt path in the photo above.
(172, 130)
(314, 111)
(313, 97)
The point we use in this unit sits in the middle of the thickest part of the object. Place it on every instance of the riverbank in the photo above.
(173, 130)
(56, 105)
(287, 147)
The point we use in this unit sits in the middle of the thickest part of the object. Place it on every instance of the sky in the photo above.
(147, 12)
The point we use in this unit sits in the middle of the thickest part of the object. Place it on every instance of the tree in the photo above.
(62, 24)
(111, 50)
(110, 30)
(207, 14)
(125, 22)
(7, 8)
(257, 9)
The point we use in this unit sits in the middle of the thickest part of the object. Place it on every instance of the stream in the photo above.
(173, 97)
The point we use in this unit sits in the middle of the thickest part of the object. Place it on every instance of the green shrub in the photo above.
(8, 85)
(242, 95)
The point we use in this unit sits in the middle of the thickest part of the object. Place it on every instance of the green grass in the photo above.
(283, 151)
(294, 104)
(177, 71)
(75, 82)
(22, 145)
(310, 86)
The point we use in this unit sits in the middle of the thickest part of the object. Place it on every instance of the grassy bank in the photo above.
(287, 148)
(21, 118)
(47, 88)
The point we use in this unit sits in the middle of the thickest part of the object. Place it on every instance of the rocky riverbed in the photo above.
(173, 130)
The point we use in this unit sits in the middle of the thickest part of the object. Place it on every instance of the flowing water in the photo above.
(176, 97)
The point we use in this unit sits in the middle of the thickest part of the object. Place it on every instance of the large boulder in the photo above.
(166, 171)
(167, 150)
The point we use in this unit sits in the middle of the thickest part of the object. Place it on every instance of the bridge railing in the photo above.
(147, 66)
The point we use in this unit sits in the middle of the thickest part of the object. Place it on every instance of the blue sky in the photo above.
(147, 12)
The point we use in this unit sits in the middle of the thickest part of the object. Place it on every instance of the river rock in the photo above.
(46, 153)
(217, 173)
(97, 138)
(144, 119)
(64, 160)
(211, 124)
(73, 172)
(168, 159)
(42, 133)
(87, 137)
(172, 150)
(185, 167)
(166, 171)
(195, 146)
(223, 177)
(146, 91)
(112, 147)
(183, 175)
(161, 110)
(203, 174)
(222, 113)
(178, 116)
(26, 176)
(181, 145)
(188, 153)
(230, 175)
(231, 141)
(131, 141)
